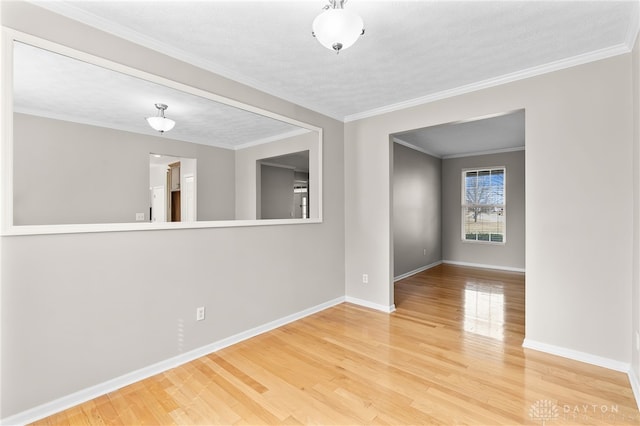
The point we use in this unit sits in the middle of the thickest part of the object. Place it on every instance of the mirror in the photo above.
(283, 187)
(83, 152)
(172, 188)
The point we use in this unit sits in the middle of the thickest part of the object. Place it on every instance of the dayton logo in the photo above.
(544, 410)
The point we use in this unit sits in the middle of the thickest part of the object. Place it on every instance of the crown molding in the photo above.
(466, 154)
(132, 129)
(274, 138)
(414, 147)
(70, 11)
(97, 123)
(634, 27)
(497, 81)
(488, 152)
(75, 13)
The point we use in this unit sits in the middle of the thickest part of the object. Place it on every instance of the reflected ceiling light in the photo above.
(160, 122)
(337, 28)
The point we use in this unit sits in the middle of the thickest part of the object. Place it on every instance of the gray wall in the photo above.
(416, 210)
(75, 173)
(635, 299)
(80, 309)
(247, 176)
(276, 192)
(579, 119)
(508, 255)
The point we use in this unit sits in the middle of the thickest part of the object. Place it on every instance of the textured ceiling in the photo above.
(411, 49)
(52, 85)
(504, 132)
(298, 161)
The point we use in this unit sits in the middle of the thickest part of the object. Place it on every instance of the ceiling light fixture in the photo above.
(160, 122)
(337, 28)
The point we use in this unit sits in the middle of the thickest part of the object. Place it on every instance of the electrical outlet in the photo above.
(139, 216)
(424, 252)
(200, 313)
(365, 278)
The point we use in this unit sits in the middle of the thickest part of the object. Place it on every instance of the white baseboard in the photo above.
(367, 304)
(480, 265)
(577, 355)
(635, 385)
(416, 271)
(93, 392)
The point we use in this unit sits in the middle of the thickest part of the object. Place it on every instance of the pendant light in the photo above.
(337, 28)
(160, 122)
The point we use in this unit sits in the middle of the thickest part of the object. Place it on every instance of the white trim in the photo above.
(371, 305)
(584, 58)
(417, 271)
(77, 14)
(146, 226)
(466, 154)
(488, 152)
(6, 174)
(149, 132)
(398, 139)
(611, 364)
(319, 183)
(6, 129)
(72, 12)
(464, 205)
(273, 138)
(281, 166)
(6, 101)
(483, 266)
(635, 385)
(633, 28)
(12, 35)
(414, 147)
(95, 123)
(60, 404)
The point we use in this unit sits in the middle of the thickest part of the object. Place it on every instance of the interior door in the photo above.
(158, 204)
(189, 199)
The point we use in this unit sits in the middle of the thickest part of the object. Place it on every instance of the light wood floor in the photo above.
(450, 354)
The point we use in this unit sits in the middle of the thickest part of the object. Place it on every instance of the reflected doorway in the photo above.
(282, 185)
(300, 198)
(172, 184)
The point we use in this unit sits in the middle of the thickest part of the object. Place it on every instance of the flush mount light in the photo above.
(160, 122)
(337, 28)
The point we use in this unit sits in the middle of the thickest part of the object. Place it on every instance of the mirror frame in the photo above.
(9, 36)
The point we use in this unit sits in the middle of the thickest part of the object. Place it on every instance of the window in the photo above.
(483, 205)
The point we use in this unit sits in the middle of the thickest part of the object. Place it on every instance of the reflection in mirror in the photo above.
(283, 186)
(81, 147)
(172, 187)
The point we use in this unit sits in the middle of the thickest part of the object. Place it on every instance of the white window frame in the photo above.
(465, 206)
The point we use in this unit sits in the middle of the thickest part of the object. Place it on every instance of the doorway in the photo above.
(158, 203)
(282, 186)
(173, 188)
(433, 172)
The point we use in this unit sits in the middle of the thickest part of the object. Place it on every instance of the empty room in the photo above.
(320, 212)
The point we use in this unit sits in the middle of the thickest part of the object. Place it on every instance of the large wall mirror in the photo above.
(82, 156)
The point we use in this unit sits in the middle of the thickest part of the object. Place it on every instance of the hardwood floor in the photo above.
(450, 354)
